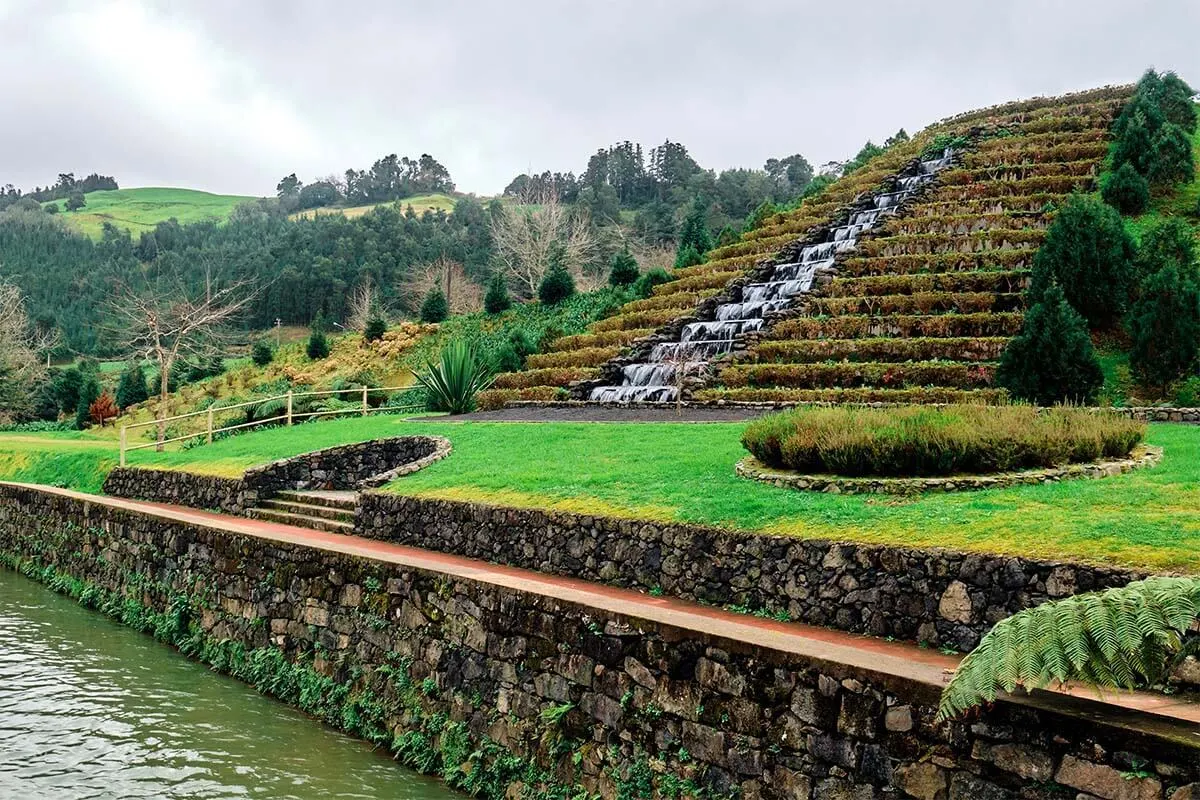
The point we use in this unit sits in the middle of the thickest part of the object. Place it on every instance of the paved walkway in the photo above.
(1167, 714)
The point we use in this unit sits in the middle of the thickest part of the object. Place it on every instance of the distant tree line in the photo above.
(390, 178)
(66, 187)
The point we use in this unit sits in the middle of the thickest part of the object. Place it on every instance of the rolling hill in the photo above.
(419, 203)
(138, 210)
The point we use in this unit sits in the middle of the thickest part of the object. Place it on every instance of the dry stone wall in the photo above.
(583, 697)
(941, 597)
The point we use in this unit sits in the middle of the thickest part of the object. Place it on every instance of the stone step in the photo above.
(302, 520)
(347, 500)
(309, 509)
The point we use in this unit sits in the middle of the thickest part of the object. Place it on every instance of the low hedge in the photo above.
(1019, 172)
(938, 262)
(919, 303)
(599, 339)
(918, 394)
(850, 375)
(931, 243)
(579, 357)
(1025, 204)
(877, 285)
(676, 300)
(1057, 184)
(967, 348)
(914, 441)
(559, 376)
(939, 325)
(1087, 148)
(961, 224)
(492, 399)
(641, 319)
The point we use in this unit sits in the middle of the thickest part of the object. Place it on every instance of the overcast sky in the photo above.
(230, 95)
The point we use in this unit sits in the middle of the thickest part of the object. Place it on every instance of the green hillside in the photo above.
(138, 210)
(420, 204)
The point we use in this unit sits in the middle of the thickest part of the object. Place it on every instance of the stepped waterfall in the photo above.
(657, 380)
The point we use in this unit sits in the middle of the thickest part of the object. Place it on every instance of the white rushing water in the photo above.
(656, 380)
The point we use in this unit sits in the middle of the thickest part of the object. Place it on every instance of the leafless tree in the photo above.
(462, 294)
(524, 234)
(363, 304)
(20, 360)
(167, 322)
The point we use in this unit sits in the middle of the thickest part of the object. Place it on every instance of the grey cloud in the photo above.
(492, 89)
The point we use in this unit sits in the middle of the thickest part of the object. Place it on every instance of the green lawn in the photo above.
(139, 210)
(674, 472)
(420, 204)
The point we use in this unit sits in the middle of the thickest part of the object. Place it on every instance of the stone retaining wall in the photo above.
(940, 597)
(351, 466)
(494, 686)
(753, 469)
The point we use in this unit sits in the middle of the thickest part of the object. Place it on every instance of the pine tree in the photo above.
(131, 388)
(261, 353)
(1088, 253)
(497, 301)
(318, 344)
(1170, 242)
(1171, 156)
(1135, 142)
(1164, 325)
(1126, 190)
(766, 209)
(695, 233)
(89, 390)
(375, 328)
(435, 308)
(557, 284)
(1052, 360)
(624, 269)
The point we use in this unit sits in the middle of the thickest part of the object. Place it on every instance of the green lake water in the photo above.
(90, 709)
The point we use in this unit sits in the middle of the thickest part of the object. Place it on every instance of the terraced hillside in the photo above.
(923, 308)
(919, 311)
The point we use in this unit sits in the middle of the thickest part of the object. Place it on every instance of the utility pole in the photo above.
(278, 334)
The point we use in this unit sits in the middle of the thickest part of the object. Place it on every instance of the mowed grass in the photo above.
(420, 204)
(668, 472)
(138, 210)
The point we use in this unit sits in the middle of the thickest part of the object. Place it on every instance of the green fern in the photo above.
(1122, 637)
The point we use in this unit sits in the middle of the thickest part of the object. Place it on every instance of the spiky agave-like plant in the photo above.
(452, 382)
(1118, 638)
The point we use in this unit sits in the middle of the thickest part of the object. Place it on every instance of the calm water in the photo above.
(89, 709)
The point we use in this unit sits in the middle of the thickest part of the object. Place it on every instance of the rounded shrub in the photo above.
(1052, 359)
(317, 346)
(922, 441)
(1164, 326)
(375, 328)
(1171, 156)
(688, 256)
(435, 308)
(1126, 190)
(644, 286)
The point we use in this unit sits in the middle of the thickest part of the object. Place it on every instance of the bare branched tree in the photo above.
(362, 305)
(167, 322)
(463, 294)
(523, 236)
(20, 360)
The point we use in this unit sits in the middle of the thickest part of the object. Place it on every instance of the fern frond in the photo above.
(1123, 637)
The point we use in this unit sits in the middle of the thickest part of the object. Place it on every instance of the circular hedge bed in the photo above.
(917, 441)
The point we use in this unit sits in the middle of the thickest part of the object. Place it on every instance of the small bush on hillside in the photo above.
(207, 367)
(694, 232)
(766, 209)
(435, 308)
(76, 201)
(727, 236)
(51, 208)
(643, 287)
(1126, 190)
(1052, 359)
(557, 284)
(497, 301)
(452, 383)
(375, 328)
(687, 257)
(261, 353)
(624, 269)
(1188, 393)
(1170, 242)
(317, 346)
(1089, 254)
(916, 441)
(510, 356)
(131, 388)
(89, 390)
(1164, 325)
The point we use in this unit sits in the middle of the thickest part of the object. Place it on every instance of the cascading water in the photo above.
(657, 380)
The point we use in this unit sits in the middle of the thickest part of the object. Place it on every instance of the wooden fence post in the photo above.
(289, 408)
(123, 445)
(364, 401)
(210, 424)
